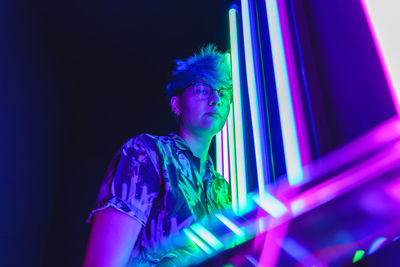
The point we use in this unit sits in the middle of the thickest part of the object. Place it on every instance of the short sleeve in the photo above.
(134, 185)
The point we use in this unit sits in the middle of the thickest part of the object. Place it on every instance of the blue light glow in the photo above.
(238, 231)
(207, 236)
(289, 134)
(271, 205)
(197, 241)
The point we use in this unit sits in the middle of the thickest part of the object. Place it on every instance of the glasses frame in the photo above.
(192, 84)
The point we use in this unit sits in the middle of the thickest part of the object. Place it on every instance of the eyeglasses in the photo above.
(204, 91)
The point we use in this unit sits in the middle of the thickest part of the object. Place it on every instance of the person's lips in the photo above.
(214, 114)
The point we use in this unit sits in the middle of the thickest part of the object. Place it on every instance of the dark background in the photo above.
(77, 80)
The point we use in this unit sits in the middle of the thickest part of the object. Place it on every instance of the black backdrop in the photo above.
(77, 79)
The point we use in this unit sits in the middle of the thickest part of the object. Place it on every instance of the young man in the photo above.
(157, 185)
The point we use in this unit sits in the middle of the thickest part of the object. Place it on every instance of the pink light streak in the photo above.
(338, 185)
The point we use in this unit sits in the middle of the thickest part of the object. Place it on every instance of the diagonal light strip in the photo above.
(201, 231)
(198, 242)
(271, 205)
(238, 231)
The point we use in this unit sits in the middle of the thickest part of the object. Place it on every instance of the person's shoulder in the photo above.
(147, 141)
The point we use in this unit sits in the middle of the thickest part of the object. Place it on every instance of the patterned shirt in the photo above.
(156, 180)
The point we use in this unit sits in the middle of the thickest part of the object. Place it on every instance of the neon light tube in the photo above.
(197, 241)
(294, 87)
(271, 205)
(376, 245)
(383, 23)
(230, 224)
(235, 129)
(358, 255)
(289, 134)
(207, 236)
(225, 151)
(219, 153)
(253, 96)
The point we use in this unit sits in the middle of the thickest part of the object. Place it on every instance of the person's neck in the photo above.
(198, 144)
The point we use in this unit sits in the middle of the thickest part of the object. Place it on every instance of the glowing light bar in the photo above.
(253, 96)
(252, 260)
(225, 151)
(222, 148)
(358, 255)
(197, 241)
(376, 245)
(230, 224)
(271, 205)
(218, 152)
(235, 125)
(298, 252)
(289, 134)
(207, 236)
(383, 23)
(304, 150)
(348, 180)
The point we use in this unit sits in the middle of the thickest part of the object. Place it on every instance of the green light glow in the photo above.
(358, 255)
(236, 134)
(197, 241)
(225, 151)
(230, 224)
(289, 134)
(218, 151)
(207, 236)
(253, 98)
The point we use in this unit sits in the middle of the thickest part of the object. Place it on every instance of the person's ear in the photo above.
(175, 105)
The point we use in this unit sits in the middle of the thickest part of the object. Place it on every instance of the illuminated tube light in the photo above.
(235, 127)
(198, 242)
(207, 236)
(358, 255)
(225, 151)
(230, 224)
(289, 134)
(271, 205)
(383, 23)
(304, 150)
(218, 152)
(253, 96)
(376, 245)
(225, 136)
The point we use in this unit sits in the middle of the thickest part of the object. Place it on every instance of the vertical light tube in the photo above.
(218, 152)
(225, 141)
(383, 23)
(289, 134)
(236, 130)
(304, 147)
(225, 152)
(253, 96)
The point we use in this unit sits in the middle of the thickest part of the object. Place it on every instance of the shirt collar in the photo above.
(179, 141)
(182, 145)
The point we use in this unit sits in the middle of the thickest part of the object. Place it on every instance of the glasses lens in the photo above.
(202, 90)
(225, 96)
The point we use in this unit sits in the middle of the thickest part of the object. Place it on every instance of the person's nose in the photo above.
(214, 98)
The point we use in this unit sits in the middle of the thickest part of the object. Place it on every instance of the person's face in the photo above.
(204, 116)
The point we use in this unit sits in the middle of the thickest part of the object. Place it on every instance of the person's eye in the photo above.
(202, 90)
(224, 94)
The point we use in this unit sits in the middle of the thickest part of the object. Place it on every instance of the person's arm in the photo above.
(112, 237)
